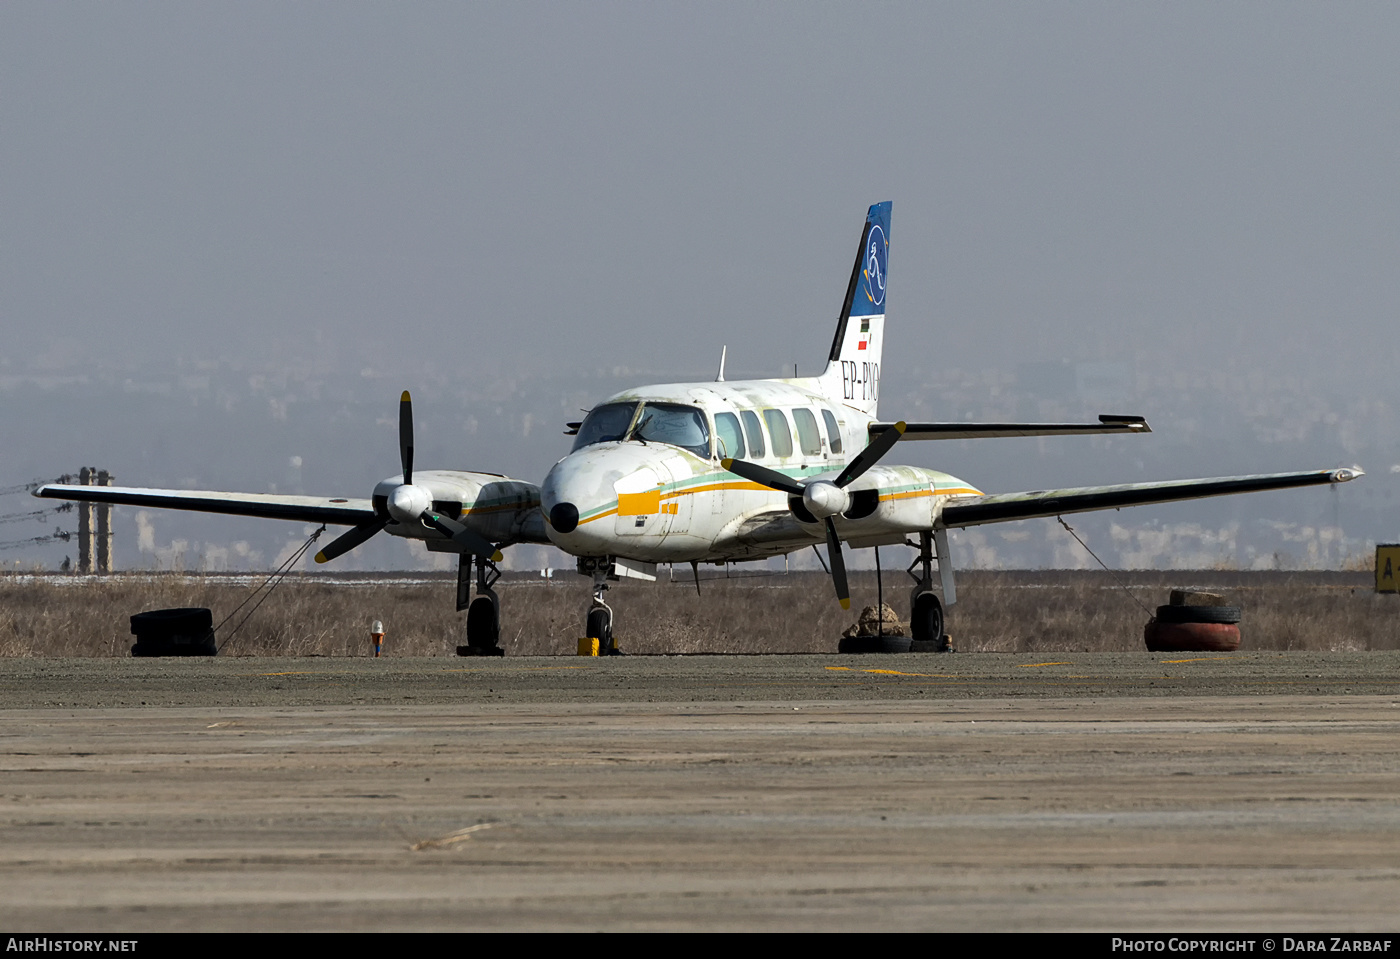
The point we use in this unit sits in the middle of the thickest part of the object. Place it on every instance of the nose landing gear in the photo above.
(599, 621)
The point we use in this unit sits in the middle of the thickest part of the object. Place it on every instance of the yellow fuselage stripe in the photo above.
(713, 487)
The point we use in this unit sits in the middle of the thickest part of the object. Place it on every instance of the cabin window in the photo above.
(755, 434)
(729, 438)
(674, 425)
(807, 436)
(833, 431)
(605, 424)
(778, 430)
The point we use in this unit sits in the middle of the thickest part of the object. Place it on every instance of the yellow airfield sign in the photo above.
(1388, 567)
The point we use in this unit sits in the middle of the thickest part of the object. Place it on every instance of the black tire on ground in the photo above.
(599, 627)
(926, 618)
(483, 625)
(1198, 614)
(186, 631)
(185, 621)
(874, 644)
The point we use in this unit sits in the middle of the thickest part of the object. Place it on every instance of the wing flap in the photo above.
(310, 509)
(1005, 507)
(977, 431)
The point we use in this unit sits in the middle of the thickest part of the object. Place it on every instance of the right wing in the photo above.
(1003, 507)
(311, 509)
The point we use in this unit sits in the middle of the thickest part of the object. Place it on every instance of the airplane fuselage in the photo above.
(645, 482)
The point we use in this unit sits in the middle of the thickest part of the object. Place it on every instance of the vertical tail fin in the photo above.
(852, 375)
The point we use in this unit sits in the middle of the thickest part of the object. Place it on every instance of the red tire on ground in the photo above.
(1191, 637)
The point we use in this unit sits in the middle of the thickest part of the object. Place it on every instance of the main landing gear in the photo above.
(925, 609)
(484, 612)
(599, 622)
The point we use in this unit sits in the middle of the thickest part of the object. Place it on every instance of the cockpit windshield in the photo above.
(674, 425)
(605, 424)
(667, 423)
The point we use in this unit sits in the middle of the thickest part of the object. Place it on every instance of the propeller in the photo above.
(408, 503)
(824, 499)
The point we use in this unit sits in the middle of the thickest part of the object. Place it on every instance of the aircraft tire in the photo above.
(599, 627)
(483, 625)
(874, 644)
(926, 618)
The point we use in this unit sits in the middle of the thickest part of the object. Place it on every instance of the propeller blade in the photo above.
(347, 541)
(406, 437)
(872, 454)
(463, 537)
(838, 564)
(764, 476)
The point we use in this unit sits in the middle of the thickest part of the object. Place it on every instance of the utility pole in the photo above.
(85, 525)
(104, 527)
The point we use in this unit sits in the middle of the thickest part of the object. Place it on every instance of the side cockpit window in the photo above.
(605, 424)
(729, 438)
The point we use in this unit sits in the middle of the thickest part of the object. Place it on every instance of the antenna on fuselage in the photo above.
(719, 377)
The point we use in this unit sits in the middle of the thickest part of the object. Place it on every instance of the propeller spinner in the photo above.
(408, 503)
(824, 499)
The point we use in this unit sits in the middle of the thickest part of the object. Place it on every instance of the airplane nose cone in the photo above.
(564, 517)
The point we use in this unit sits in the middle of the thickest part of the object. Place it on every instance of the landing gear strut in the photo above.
(925, 609)
(599, 622)
(484, 612)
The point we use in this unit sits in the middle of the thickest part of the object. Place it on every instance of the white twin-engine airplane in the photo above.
(714, 472)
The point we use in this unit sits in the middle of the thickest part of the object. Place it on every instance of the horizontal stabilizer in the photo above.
(1004, 507)
(978, 431)
(310, 509)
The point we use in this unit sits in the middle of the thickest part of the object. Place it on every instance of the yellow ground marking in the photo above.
(1199, 659)
(300, 672)
(1033, 665)
(461, 835)
(894, 672)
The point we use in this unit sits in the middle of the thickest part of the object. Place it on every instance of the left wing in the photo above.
(979, 431)
(1003, 507)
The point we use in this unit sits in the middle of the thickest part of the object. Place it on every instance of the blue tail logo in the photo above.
(876, 252)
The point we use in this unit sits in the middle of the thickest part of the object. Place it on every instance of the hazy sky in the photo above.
(492, 189)
(522, 185)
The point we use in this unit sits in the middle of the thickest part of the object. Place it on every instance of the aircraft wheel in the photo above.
(599, 627)
(483, 625)
(926, 618)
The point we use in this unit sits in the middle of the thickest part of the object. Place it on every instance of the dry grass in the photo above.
(1028, 611)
